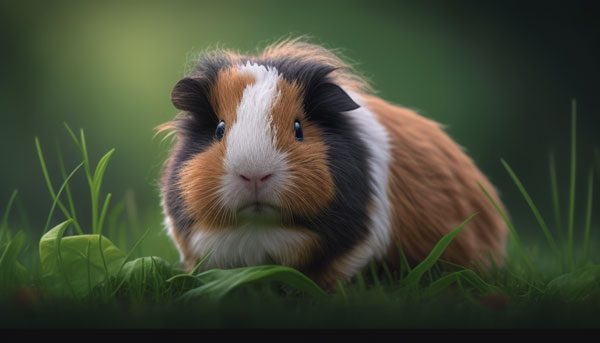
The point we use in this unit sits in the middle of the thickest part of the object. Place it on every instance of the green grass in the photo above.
(117, 269)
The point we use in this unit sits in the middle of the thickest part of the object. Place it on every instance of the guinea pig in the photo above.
(287, 157)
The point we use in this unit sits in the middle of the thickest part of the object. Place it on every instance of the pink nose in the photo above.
(255, 182)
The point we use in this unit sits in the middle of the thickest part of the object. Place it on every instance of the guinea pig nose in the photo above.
(255, 182)
(265, 178)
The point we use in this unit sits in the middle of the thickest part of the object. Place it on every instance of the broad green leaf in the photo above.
(577, 285)
(219, 283)
(415, 275)
(77, 264)
(146, 269)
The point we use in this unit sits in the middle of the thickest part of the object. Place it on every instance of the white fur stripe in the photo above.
(375, 137)
(252, 133)
(251, 139)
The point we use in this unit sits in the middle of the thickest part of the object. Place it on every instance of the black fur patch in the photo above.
(195, 131)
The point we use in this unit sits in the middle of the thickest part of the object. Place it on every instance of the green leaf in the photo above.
(100, 170)
(66, 261)
(577, 285)
(219, 283)
(415, 275)
(145, 269)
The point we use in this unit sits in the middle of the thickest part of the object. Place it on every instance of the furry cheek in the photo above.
(310, 187)
(200, 181)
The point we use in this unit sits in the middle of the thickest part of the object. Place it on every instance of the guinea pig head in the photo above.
(251, 145)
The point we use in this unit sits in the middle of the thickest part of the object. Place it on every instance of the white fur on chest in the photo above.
(249, 245)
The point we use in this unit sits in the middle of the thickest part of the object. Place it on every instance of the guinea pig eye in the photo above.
(298, 131)
(220, 131)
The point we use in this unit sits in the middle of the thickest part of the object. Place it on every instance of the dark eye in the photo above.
(298, 131)
(220, 132)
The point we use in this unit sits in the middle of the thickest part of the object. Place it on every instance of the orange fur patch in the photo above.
(227, 93)
(311, 187)
(200, 180)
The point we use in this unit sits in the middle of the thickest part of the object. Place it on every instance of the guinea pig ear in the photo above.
(329, 97)
(191, 95)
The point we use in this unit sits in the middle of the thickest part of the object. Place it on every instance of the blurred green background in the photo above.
(499, 75)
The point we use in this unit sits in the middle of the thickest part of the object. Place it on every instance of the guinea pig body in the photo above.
(287, 158)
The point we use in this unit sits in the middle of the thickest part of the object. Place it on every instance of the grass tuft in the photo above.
(533, 207)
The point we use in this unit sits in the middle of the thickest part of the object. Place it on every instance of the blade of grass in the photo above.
(588, 217)
(405, 266)
(103, 212)
(199, 264)
(8, 208)
(22, 211)
(73, 136)
(89, 275)
(374, 274)
(413, 278)
(62, 188)
(90, 179)
(572, 184)
(388, 273)
(511, 229)
(49, 185)
(555, 197)
(61, 231)
(139, 241)
(362, 284)
(100, 170)
(113, 218)
(84, 155)
(63, 174)
(342, 291)
(104, 264)
(12, 251)
(95, 186)
(533, 208)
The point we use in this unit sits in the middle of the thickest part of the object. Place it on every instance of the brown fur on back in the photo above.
(433, 187)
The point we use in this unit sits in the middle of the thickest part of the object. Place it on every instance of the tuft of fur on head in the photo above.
(298, 49)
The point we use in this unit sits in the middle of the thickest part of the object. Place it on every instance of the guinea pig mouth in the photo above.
(259, 214)
(258, 208)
